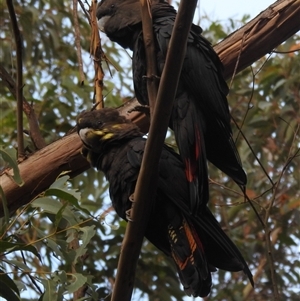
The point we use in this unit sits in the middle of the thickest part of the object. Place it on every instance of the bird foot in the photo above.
(131, 198)
(128, 215)
(151, 77)
(142, 109)
(128, 212)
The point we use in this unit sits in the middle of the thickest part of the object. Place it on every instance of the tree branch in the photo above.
(34, 130)
(19, 46)
(260, 36)
(97, 53)
(64, 154)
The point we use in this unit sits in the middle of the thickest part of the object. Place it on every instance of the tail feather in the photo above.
(214, 248)
(220, 135)
(188, 254)
(188, 125)
(220, 251)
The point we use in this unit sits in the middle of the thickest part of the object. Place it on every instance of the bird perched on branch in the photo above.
(195, 241)
(200, 116)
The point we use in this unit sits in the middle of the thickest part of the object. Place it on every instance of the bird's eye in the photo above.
(112, 6)
(99, 123)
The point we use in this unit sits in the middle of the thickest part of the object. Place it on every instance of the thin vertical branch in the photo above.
(144, 192)
(267, 228)
(77, 42)
(74, 245)
(152, 80)
(97, 53)
(85, 12)
(19, 46)
(34, 130)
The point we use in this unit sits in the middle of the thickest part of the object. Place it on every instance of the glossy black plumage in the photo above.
(196, 242)
(200, 116)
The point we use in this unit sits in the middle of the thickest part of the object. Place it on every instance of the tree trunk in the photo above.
(239, 50)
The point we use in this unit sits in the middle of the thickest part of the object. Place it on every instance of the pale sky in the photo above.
(225, 9)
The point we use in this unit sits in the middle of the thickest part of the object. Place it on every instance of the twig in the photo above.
(252, 151)
(144, 192)
(31, 277)
(85, 12)
(237, 60)
(248, 105)
(34, 130)
(211, 181)
(74, 245)
(77, 42)
(267, 225)
(19, 46)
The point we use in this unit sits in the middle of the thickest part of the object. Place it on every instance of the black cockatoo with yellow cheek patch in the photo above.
(200, 116)
(195, 241)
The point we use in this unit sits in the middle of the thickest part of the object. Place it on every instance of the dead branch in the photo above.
(97, 53)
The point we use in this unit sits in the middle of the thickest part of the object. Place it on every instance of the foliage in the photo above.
(65, 240)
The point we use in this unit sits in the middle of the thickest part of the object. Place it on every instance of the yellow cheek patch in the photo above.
(117, 126)
(108, 136)
(97, 132)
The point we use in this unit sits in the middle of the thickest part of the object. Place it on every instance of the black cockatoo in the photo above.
(195, 241)
(200, 116)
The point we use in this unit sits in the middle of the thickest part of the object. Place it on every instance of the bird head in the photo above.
(101, 127)
(117, 18)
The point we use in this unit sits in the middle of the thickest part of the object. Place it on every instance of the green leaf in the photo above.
(6, 212)
(60, 182)
(53, 206)
(8, 247)
(9, 282)
(60, 189)
(50, 290)
(85, 237)
(19, 264)
(54, 246)
(9, 155)
(7, 292)
(78, 281)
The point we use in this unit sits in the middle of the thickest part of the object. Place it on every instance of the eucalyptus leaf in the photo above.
(78, 280)
(7, 292)
(9, 282)
(9, 155)
(49, 290)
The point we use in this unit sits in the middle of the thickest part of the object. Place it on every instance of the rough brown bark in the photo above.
(258, 37)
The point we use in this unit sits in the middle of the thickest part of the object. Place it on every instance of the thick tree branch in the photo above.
(64, 154)
(19, 47)
(260, 36)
